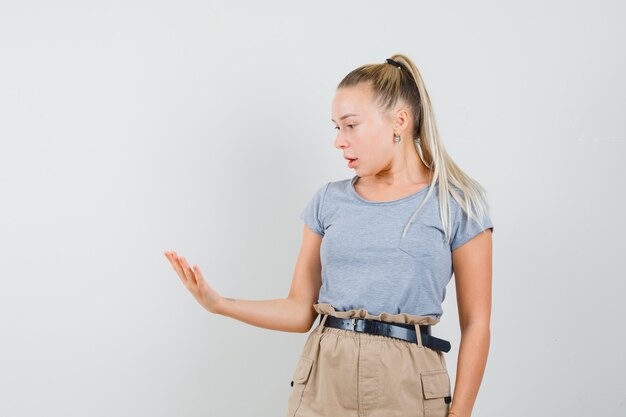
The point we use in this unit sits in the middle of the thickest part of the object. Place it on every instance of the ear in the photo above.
(401, 120)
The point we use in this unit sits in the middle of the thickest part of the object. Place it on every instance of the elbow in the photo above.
(476, 326)
(304, 315)
(479, 321)
(308, 325)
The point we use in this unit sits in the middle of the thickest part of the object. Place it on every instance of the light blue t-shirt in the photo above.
(366, 264)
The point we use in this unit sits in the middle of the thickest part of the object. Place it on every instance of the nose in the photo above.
(340, 142)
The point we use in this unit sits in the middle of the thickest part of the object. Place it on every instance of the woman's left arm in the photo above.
(472, 271)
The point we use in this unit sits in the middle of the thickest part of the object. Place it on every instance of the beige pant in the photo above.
(342, 373)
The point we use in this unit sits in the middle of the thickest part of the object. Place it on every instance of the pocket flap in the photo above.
(303, 368)
(435, 383)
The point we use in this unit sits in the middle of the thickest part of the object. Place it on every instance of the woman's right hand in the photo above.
(194, 281)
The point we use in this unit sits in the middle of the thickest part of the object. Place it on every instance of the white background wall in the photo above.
(131, 128)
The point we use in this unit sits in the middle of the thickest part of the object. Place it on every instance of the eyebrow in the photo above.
(345, 115)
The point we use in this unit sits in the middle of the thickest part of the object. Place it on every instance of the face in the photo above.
(363, 132)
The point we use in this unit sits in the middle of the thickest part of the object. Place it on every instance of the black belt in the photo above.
(396, 330)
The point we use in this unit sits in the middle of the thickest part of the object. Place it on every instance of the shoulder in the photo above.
(470, 215)
(342, 183)
(456, 198)
(330, 190)
(334, 188)
(459, 202)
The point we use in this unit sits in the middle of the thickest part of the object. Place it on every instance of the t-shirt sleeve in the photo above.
(312, 213)
(463, 229)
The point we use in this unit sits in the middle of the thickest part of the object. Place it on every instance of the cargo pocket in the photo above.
(436, 391)
(300, 379)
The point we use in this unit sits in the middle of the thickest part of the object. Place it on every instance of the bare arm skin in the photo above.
(472, 269)
(292, 314)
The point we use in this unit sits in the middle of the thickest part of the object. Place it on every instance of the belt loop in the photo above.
(322, 321)
(418, 335)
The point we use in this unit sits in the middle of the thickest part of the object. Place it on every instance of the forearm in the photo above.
(282, 314)
(473, 352)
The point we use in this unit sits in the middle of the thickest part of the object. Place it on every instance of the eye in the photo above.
(346, 125)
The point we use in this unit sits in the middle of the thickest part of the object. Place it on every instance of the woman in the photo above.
(377, 253)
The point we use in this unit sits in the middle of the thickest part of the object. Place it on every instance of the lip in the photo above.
(349, 159)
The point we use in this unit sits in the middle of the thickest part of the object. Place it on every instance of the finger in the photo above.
(188, 272)
(177, 265)
(174, 261)
(192, 272)
(198, 274)
(170, 257)
(199, 277)
(176, 268)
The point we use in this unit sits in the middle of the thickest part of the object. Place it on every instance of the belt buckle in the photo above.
(353, 324)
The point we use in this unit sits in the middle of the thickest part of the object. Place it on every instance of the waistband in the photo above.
(399, 331)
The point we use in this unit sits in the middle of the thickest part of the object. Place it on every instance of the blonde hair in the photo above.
(390, 85)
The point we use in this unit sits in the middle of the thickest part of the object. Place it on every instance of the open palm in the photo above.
(193, 280)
